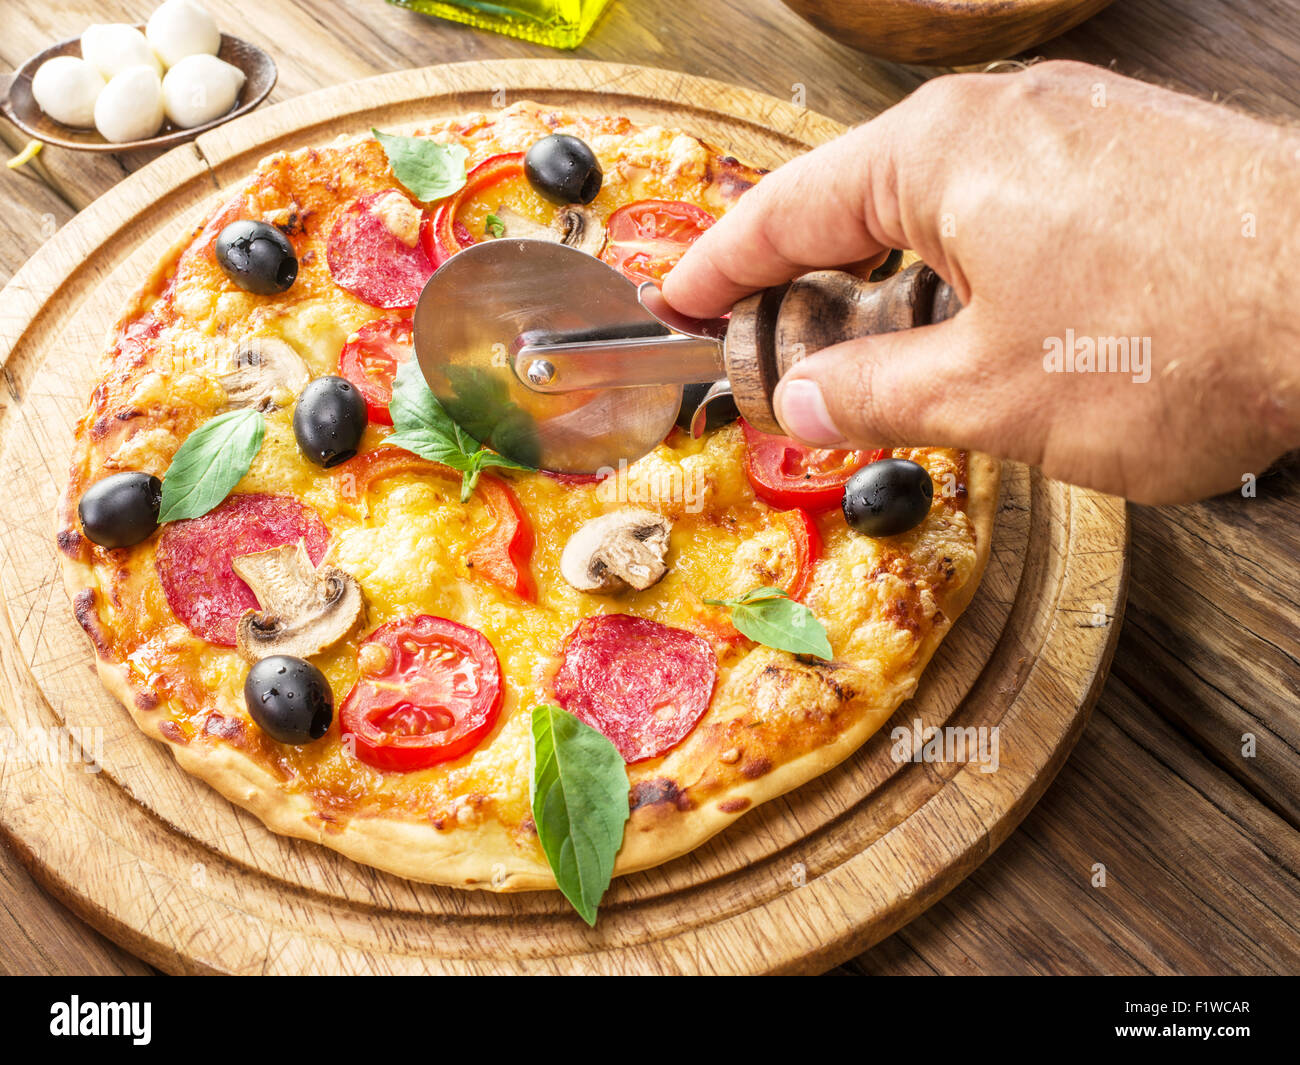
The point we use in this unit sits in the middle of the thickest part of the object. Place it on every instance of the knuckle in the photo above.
(1066, 69)
(1050, 76)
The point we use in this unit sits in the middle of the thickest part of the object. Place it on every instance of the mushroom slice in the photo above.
(618, 551)
(578, 227)
(582, 229)
(303, 609)
(264, 373)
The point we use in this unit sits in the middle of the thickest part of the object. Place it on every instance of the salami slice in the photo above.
(370, 261)
(193, 558)
(642, 684)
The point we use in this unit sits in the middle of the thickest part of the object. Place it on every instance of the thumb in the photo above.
(937, 385)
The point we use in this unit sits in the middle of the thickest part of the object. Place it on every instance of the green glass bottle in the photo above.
(558, 23)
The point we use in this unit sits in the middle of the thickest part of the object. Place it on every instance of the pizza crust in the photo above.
(681, 800)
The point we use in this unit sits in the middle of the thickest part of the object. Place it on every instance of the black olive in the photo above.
(257, 257)
(328, 420)
(889, 267)
(289, 699)
(563, 169)
(121, 510)
(887, 497)
(722, 411)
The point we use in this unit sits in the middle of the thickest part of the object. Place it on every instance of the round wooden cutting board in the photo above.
(179, 876)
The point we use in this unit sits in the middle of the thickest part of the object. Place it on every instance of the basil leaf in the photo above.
(493, 225)
(579, 795)
(770, 617)
(427, 169)
(213, 459)
(426, 429)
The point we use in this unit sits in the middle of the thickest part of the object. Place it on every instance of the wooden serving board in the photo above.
(189, 882)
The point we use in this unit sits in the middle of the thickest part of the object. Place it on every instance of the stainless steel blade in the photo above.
(491, 316)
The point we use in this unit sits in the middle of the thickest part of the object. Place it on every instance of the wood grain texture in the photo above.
(1224, 855)
(192, 884)
(1189, 649)
(44, 938)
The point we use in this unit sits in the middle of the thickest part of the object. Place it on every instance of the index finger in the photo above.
(816, 211)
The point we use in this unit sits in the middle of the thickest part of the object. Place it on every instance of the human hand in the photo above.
(1066, 205)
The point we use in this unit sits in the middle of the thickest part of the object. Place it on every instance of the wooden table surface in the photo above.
(1200, 843)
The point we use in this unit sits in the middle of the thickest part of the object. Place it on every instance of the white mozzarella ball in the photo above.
(200, 88)
(66, 88)
(116, 47)
(182, 28)
(131, 106)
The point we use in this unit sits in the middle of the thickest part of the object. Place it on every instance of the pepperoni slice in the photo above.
(368, 260)
(642, 684)
(193, 558)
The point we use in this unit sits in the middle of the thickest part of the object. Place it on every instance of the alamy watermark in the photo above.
(133, 1020)
(58, 745)
(952, 743)
(653, 486)
(1084, 354)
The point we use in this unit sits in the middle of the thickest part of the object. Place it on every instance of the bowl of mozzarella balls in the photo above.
(119, 87)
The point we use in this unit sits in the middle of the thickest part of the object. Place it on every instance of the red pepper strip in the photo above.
(503, 553)
(807, 549)
(714, 624)
(381, 462)
(445, 236)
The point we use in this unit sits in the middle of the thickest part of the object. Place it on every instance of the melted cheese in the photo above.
(400, 216)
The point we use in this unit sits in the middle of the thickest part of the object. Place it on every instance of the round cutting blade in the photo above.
(469, 324)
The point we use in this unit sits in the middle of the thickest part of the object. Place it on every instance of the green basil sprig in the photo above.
(213, 459)
(579, 794)
(423, 427)
(772, 618)
(427, 169)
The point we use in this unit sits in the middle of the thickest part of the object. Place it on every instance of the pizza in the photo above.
(372, 645)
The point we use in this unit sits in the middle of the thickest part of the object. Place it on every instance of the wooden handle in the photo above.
(772, 330)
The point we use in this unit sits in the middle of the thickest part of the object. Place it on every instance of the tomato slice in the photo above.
(428, 692)
(502, 554)
(370, 360)
(785, 474)
(645, 239)
(447, 233)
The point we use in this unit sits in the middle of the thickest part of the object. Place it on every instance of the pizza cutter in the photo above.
(555, 359)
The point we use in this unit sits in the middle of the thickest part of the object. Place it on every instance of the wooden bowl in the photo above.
(944, 32)
(19, 105)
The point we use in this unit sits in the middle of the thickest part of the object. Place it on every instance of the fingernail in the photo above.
(802, 411)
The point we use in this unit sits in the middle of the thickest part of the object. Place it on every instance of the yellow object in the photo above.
(26, 155)
(558, 23)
